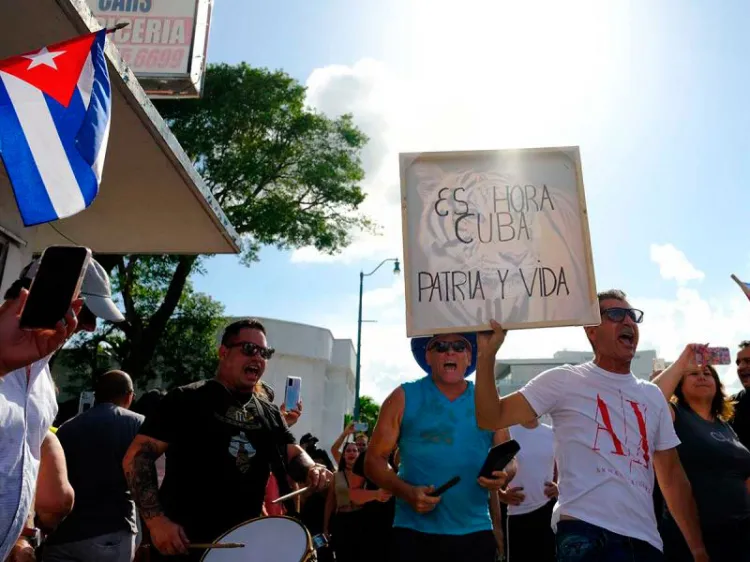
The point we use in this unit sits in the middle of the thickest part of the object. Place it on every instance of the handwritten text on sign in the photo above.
(498, 234)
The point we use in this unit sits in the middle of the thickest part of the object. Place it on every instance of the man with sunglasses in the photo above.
(612, 431)
(432, 422)
(221, 442)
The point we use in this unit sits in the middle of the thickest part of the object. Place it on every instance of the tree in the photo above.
(368, 413)
(283, 174)
(186, 351)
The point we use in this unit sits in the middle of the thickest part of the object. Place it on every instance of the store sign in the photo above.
(164, 42)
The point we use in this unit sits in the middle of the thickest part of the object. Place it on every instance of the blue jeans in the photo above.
(578, 541)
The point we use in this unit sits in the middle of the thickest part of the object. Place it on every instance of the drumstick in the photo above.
(292, 495)
(218, 545)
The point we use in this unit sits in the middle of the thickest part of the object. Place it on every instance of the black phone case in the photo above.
(499, 457)
(445, 487)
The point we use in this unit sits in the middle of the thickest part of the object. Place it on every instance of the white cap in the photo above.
(95, 291)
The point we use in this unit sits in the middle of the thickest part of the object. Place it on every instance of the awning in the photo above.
(151, 199)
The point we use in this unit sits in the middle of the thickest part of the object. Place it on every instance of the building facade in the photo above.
(512, 374)
(151, 199)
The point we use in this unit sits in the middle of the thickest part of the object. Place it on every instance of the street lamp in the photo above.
(362, 275)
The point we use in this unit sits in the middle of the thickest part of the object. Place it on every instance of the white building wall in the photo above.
(325, 365)
(523, 370)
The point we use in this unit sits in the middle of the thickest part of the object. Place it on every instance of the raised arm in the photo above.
(336, 447)
(493, 411)
(670, 377)
(384, 441)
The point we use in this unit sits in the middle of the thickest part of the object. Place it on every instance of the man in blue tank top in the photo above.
(432, 422)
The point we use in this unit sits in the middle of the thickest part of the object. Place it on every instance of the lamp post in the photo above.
(362, 275)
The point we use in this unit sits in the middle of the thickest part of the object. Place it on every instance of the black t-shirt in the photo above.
(218, 461)
(741, 421)
(716, 464)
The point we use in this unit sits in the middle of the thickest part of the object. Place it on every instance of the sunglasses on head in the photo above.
(618, 314)
(252, 349)
(445, 346)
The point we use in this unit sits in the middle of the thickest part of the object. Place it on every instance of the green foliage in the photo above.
(283, 174)
(369, 410)
(185, 352)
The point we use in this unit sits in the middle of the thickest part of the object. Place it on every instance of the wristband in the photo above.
(33, 536)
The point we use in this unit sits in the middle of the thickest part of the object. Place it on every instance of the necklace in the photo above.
(240, 412)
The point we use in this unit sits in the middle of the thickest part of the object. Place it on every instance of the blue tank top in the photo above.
(439, 440)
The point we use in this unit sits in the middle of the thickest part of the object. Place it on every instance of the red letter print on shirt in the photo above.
(620, 448)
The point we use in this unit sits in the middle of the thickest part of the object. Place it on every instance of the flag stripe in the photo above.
(86, 81)
(67, 123)
(33, 201)
(94, 133)
(44, 142)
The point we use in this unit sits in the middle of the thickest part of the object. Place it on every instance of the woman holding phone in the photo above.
(716, 463)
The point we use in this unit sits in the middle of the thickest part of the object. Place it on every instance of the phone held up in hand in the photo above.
(714, 356)
(360, 427)
(55, 286)
(292, 393)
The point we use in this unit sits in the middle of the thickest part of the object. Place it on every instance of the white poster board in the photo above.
(496, 235)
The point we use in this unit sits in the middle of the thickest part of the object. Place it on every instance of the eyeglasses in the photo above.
(445, 346)
(251, 349)
(618, 314)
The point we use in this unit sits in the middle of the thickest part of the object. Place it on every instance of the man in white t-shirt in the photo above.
(612, 432)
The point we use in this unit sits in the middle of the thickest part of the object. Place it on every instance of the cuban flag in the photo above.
(55, 109)
(744, 286)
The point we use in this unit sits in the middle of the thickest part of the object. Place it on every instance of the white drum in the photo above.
(266, 539)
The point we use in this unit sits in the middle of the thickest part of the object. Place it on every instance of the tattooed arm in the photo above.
(140, 472)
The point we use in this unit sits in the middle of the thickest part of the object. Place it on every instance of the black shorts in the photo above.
(410, 546)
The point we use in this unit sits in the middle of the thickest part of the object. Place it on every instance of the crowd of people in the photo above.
(628, 469)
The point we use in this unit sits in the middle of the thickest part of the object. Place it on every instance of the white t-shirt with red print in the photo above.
(607, 427)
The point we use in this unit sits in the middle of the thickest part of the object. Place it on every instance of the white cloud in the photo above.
(674, 265)
(474, 78)
(669, 324)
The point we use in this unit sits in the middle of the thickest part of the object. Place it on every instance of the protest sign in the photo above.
(496, 235)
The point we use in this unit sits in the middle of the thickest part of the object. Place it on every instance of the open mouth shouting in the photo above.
(253, 371)
(450, 367)
(627, 337)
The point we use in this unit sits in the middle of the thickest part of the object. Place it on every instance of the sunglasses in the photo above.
(446, 346)
(618, 314)
(252, 349)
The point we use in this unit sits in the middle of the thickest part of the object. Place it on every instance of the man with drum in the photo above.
(432, 422)
(221, 443)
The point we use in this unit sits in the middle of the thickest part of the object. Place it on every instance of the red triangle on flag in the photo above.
(54, 69)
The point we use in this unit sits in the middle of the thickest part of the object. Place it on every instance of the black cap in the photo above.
(308, 438)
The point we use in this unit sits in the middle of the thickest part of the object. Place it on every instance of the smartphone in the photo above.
(320, 541)
(55, 286)
(715, 356)
(499, 457)
(440, 490)
(360, 427)
(292, 393)
(659, 364)
(85, 401)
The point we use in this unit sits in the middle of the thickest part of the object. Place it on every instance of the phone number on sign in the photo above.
(145, 58)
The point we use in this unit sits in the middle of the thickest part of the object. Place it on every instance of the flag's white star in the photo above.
(43, 57)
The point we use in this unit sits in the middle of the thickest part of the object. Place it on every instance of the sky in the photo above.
(653, 93)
